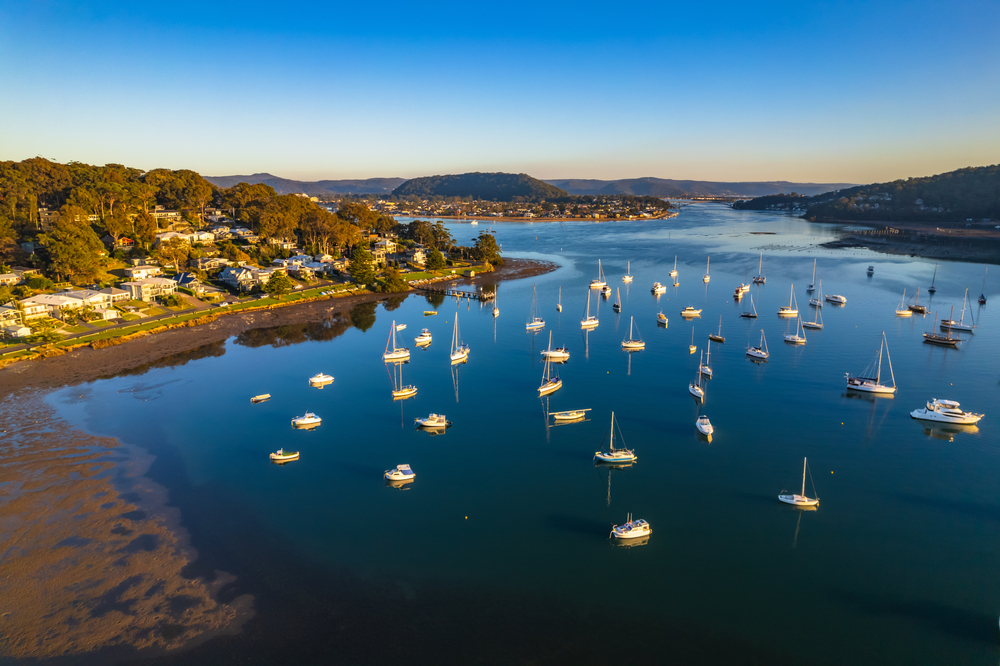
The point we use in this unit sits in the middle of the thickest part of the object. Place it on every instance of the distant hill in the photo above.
(316, 188)
(485, 186)
(665, 187)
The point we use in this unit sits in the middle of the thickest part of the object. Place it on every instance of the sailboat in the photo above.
(588, 321)
(950, 324)
(707, 277)
(401, 391)
(694, 388)
(618, 300)
(797, 339)
(459, 352)
(902, 310)
(600, 282)
(809, 289)
(706, 367)
(801, 500)
(673, 273)
(761, 350)
(817, 321)
(916, 306)
(392, 352)
(549, 383)
(536, 322)
(632, 343)
(874, 384)
(982, 294)
(938, 339)
(789, 310)
(628, 273)
(717, 336)
(818, 301)
(496, 310)
(931, 289)
(559, 302)
(692, 348)
(613, 455)
(753, 313)
(759, 278)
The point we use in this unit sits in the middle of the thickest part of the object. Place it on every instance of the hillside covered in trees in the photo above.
(972, 193)
(668, 187)
(483, 186)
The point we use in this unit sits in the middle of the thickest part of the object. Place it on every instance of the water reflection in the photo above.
(947, 432)
(211, 350)
(293, 334)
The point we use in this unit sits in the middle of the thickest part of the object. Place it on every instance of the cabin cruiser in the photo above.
(282, 455)
(432, 421)
(704, 426)
(946, 411)
(659, 288)
(557, 354)
(837, 299)
(401, 473)
(632, 529)
(423, 339)
(308, 419)
(662, 319)
(320, 380)
(690, 312)
(871, 270)
(606, 291)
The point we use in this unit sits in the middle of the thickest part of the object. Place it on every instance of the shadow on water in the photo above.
(293, 334)
(211, 350)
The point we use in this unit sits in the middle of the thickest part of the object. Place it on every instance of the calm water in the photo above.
(498, 552)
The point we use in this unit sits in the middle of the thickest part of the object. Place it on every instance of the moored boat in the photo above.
(945, 411)
(423, 339)
(690, 312)
(260, 398)
(631, 529)
(320, 380)
(393, 353)
(792, 309)
(432, 421)
(902, 310)
(400, 473)
(628, 273)
(570, 415)
(717, 337)
(704, 426)
(613, 455)
(632, 343)
(865, 381)
(760, 351)
(836, 299)
(306, 420)
(282, 455)
(600, 282)
(759, 278)
(658, 288)
(800, 500)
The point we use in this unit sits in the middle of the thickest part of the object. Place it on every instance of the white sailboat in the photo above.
(600, 282)
(869, 384)
(392, 352)
(613, 455)
(459, 352)
(818, 301)
(952, 325)
(550, 383)
(496, 310)
(628, 273)
(588, 321)
(673, 273)
(797, 339)
(632, 343)
(789, 310)
(902, 310)
(536, 322)
(559, 302)
(800, 500)
(759, 278)
(707, 277)
(759, 351)
(817, 321)
(692, 348)
(706, 367)
(753, 310)
(809, 289)
(618, 300)
(632, 529)
(401, 391)
(694, 388)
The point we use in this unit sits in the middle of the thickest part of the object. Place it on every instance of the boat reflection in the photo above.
(705, 438)
(866, 396)
(433, 431)
(947, 431)
(629, 543)
(402, 484)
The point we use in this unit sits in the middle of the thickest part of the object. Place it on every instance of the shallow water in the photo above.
(498, 551)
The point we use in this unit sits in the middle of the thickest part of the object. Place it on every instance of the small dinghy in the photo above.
(260, 398)
(400, 327)
(704, 426)
(800, 500)
(632, 529)
(306, 421)
(282, 455)
(429, 313)
(432, 421)
(570, 415)
(320, 380)
(401, 473)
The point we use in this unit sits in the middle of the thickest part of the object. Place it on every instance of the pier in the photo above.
(460, 294)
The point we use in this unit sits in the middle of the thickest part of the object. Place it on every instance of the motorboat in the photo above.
(902, 310)
(690, 312)
(600, 282)
(432, 421)
(792, 309)
(704, 426)
(628, 273)
(282, 455)
(606, 291)
(260, 398)
(423, 339)
(662, 319)
(400, 327)
(556, 354)
(951, 325)
(589, 321)
(795, 338)
(632, 529)
(800, 500)
(946, 411)
(613, 455)
(632, 343)
(753, 310)
(866, 382)
(673, 273)
(536, 323)
(392, 352)
(706, 367)
(707, 277)
(818, 301)
(549, 383)
(871, 271)
(740, 291)
(306, 420)
(401, 473)
(658, 288)
(459, 352)
(812, 284)
(570, 415)
(945, 340)
(676, 283)
(320, 380)
(761, 350)
(717, 337)
(836, 299)
(916, 306)
(759, 278)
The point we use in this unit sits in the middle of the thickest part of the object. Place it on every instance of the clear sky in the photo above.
(801, 91)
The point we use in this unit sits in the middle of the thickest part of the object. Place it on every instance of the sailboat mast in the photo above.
(964, 299)
(612, 431)
(630, 321)
(804, 477)
(878, 372)
(888, 358)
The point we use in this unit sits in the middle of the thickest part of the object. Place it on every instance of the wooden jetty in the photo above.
(459, 293)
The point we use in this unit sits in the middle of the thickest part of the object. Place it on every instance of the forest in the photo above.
(482, 186)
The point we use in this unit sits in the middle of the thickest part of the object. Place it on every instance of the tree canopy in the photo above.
(486, 186)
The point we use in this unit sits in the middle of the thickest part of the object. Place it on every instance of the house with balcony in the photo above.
(117, 295)
(149, 288)
(142, 272)
(49, 305)
(240, 278)
(8, 279)
(91, 298)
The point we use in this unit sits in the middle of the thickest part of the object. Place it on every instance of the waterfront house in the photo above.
(149, 288)
(51, 305)
(239, 277)
(117, 295)
(208, 263)
(90, 297)
(16, 331)
(142, 272)
(10, 316)
(8, 279)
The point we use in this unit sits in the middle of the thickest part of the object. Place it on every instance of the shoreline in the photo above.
(88, 364)
(488, 219)
(972, 245)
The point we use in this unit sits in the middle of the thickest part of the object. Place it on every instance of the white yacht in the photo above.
(632, 529)
(837, 299)
(282, 455)
(589, 321)
(549, 383)
(320, 380)
(818, 301)
(761, 350)
(902, 310)
(632, 343)
(613, 455)
(866, 382)
(707, 277)
(689, 312)
(704, 426)
(759, 278)
(658, 288)
(694, 388)
(392, 352)
(555, 354)
(628, 273)
(946, 411)
(401, 473)
(797, 339)
(306, 420)
(800, 500)
(459, 352)
(673, 273)
(951, 325)
(432, 421)
(600, 282)
(706, 367)
(792, 309)
(424, 338)
(536, 322)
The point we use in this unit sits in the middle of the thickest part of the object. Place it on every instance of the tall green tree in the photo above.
(74, 249)
(393, 281)
(362, 266)
(278, 285)
(435, 260)
(486, 249)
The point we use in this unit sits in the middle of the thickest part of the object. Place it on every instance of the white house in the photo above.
(8, 279)
(52, 305)
(142, 272)
(149, 288)
(9, 316)
(90, 298)
(117, 295)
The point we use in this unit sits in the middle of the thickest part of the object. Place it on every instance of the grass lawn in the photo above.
(130, 317)
(75, 329)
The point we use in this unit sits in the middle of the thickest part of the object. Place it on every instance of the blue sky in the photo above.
(821, 92)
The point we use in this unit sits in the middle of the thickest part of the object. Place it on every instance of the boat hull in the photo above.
(871, 387)
(549, 387)
(798, 500)
(812, 324)
(931, 415)
(614, 459)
